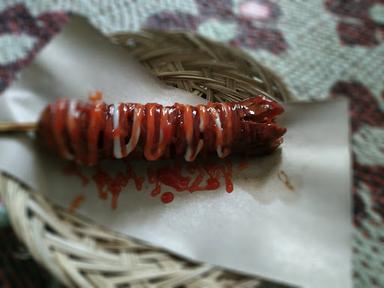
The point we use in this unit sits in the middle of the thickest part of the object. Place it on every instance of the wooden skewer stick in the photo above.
(18, 127)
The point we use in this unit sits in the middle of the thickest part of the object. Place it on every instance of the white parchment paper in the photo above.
(299, 234)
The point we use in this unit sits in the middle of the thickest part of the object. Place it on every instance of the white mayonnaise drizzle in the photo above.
(117, 153)
(219, 131)
(202, 118)
(134, 136)
(71, 114)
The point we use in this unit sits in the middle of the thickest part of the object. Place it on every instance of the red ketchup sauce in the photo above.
(76, 203)
(114, 184)
(180, 177)
(167, 197)
(96, 97)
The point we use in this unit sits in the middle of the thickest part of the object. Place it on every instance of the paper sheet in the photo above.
(298, 232)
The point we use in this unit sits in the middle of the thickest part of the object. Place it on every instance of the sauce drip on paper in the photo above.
(76, 203)
(181, 177)
(114, 184)
(283, 177)
(167, 197)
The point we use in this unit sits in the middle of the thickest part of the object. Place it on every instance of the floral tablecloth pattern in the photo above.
(321, 48)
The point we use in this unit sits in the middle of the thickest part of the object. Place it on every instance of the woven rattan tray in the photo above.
(80, 253)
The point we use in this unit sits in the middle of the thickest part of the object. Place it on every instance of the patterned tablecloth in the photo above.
(321, 48)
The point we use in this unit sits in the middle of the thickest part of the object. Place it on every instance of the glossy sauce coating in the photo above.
(88, 131)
